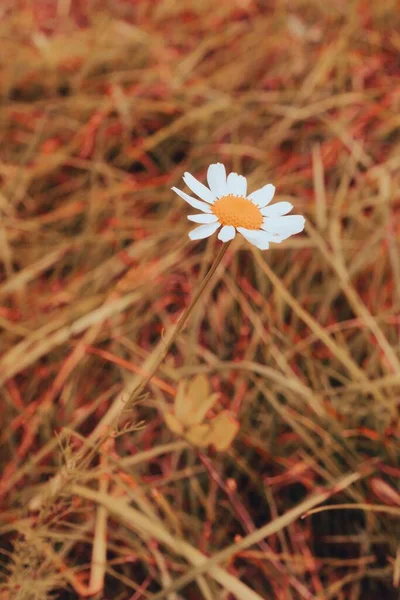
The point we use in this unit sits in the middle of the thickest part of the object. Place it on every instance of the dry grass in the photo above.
(104, 105)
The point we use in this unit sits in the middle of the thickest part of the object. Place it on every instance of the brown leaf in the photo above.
(223, 429)
(193, 401)
(173, 423)
(198, 435)
(199, 387)
(181, 404)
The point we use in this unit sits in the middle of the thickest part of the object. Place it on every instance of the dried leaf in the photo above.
(198, 435)
(173, 423)
(193, 401)
(199, 412)
(223, 429)
(199, 387)
(181, 404)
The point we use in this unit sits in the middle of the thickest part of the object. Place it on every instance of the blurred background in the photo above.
(104, 106)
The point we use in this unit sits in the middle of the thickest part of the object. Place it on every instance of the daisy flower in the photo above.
(225, 204)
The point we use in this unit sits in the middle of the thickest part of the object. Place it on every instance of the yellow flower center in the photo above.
(237, 211)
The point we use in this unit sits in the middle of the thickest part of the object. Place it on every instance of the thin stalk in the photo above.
(113, 415)
(179, 326)
(111, 418)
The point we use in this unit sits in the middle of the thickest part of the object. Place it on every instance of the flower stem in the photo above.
(111, 418)
(173, 335)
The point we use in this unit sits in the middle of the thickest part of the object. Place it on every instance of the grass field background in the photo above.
(104, 106)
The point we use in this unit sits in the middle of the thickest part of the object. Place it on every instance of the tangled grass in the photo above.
(104, 106)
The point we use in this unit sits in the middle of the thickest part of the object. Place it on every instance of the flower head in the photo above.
(225, 204)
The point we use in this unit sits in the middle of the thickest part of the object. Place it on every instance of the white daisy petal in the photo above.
(204, 231)
(256, 237)
(237, 184)
(203, 218)
(263, 196)
(199, 188)
(277, 239)
(216, 177)
(277, 210)
(192, 201)
(227, 233)
(284, 225)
